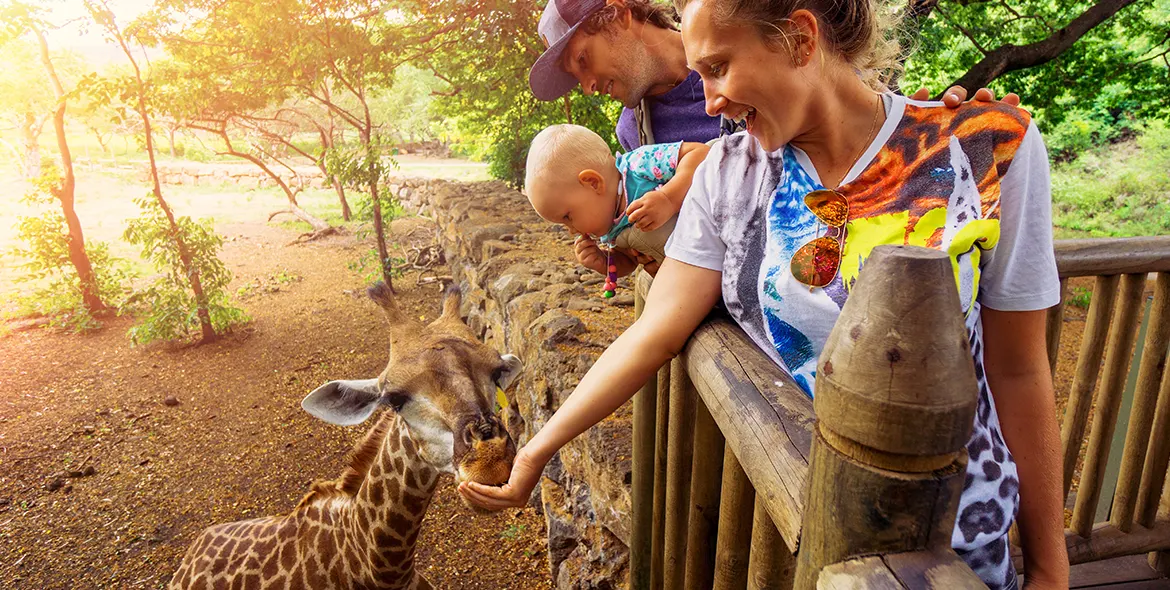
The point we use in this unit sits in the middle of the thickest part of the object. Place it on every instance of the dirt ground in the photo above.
(237, 446)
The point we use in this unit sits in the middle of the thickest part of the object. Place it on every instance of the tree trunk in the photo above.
(380, 232)
(201, 306)
(327, 144)
(87, 282)
(32, 149)
(338, 188)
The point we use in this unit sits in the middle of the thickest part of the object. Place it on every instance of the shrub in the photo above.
(168, 308)
(56, 286)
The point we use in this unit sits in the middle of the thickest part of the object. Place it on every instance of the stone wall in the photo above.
(242, 175)
(525, 294)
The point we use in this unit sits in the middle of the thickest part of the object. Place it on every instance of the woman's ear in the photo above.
(592, 180)
(803, 30)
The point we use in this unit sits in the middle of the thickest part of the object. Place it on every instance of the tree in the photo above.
(483, 50)
(337, 54)
(135, 91)
(25, 18)
(1102, 59)
(203, 94)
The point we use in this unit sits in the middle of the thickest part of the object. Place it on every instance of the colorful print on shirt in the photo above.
(934, 183)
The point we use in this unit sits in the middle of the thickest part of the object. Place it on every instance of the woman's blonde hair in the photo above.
(560, 152)
(864, 33)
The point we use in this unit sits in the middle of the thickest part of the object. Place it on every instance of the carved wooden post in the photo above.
(895, 402)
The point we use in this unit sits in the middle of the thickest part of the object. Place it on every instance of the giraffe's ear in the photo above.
(344, 403)
(508, 371)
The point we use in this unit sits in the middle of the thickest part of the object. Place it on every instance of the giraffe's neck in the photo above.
(389, 507)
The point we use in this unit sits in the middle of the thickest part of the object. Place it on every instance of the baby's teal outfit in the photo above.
(642, 170)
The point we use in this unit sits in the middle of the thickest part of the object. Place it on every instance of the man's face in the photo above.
(612, 62)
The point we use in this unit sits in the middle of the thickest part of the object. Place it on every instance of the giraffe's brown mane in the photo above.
(357, 466)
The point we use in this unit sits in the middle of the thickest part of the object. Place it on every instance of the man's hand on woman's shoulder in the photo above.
(955, 95)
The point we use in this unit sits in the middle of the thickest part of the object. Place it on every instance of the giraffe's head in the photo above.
(443, 382)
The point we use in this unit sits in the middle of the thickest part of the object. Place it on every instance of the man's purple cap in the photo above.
(560, 20)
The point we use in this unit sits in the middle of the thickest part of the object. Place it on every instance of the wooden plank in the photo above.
(1091, 257)
(1158, 452)
(912, 570)
(1117, 357)
(1131, 568)
(1107, 542)
(1054, 325)
(870, 573)
(703, 521)
(1145, 399)
(771, 565)
(661, 442)
(766, 418)
(932, 569)
(678, 473)
(737, 500)
(1080, 400)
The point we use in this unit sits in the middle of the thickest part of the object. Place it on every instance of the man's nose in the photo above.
(588, 84)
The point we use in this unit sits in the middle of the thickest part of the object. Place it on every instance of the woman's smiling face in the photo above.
(744, 77)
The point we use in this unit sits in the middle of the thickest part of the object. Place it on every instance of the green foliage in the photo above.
(1124, 191)
(1112, 79)
(495, 113)
(168, 307)
(1081, 297)
(56, 287)
(358, 167)
(367, 266)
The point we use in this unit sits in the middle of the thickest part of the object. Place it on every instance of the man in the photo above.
(631, 51)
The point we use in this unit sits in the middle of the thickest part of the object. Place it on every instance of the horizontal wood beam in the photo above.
(1110, 256)
(1108, 542)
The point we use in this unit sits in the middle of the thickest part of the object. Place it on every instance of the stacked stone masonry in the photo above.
(524, 293)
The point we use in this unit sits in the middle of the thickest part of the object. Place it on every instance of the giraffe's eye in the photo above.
(396, 399)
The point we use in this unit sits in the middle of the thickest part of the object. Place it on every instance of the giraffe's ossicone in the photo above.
(359, 531)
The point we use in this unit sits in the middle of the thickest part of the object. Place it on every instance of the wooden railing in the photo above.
(723, 441)
(1129, 524)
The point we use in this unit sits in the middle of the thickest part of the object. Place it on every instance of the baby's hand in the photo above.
(589, 255)
(651, 211)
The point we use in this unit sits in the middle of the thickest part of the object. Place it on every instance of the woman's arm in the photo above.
(1016, 363)
(679, 299)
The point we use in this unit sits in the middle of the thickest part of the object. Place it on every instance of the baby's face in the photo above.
(585, 207)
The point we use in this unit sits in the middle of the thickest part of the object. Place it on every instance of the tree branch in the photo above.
(1009, 58)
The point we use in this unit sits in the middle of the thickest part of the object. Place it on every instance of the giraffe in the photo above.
(359, 531)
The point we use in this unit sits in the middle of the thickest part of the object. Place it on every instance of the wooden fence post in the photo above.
(895, 401)
(642, 484)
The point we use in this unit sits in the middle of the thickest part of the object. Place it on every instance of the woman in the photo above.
(756, 230)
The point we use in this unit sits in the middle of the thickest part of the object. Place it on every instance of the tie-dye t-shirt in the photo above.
(971, 181)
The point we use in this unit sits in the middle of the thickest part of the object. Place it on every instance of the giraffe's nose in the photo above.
(485, 428)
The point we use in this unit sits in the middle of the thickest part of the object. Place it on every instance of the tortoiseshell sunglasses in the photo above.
(816, 263)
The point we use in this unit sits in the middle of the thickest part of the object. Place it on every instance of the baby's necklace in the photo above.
(610, 288)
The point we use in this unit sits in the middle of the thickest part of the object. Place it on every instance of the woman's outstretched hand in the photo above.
(955, 95)
(526, 472)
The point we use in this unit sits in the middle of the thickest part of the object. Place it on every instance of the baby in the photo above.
(620, 206)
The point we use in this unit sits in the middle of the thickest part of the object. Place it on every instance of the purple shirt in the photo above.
(677, 115)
